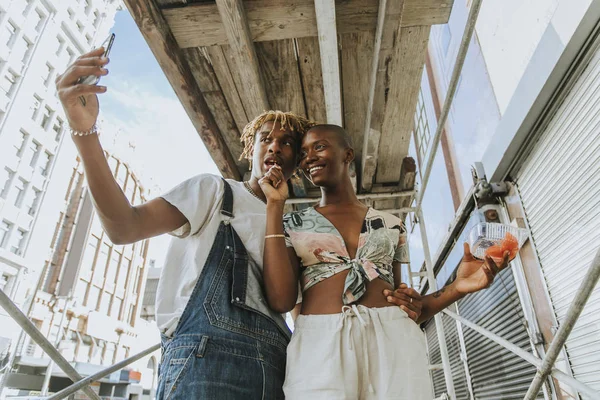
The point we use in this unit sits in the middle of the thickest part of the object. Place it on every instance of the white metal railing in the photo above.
(545, 367)
(80, 383)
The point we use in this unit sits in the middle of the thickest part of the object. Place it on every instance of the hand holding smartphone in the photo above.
(92, 79)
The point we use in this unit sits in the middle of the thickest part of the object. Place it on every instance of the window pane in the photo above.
(58, 128)
(20, 143)
(4, 230)
(100, 267)
(18, 242)
(105, 303)
(113, 266)
(31, 153)
(94, 294)
(8, 82)
(5, 181)
(123, 271)
(115, 310)
(44, 164)
(90, 254)
(80, 290)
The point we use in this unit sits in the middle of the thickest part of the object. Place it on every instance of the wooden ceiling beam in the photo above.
(200, 24)
(330, 64)
(401, 102)
(390, 11)
(161, 41)
(237, 31)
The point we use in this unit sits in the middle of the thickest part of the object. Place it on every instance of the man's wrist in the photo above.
(275, 205)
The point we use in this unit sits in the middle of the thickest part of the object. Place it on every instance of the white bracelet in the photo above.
(91, 131)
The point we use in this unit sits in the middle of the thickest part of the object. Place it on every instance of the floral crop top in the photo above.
(323, 252)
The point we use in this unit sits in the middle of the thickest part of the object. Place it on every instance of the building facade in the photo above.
(526, 107)
(90, 298)
(38, 38)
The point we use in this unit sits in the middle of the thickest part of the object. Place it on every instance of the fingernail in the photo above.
(403, 285)
(102, 88)
(389, 298)
(386, 292)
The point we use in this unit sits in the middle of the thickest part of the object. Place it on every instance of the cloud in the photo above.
(152, 132)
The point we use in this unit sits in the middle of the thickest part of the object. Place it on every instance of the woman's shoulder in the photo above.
(387, 219)
(295, 219)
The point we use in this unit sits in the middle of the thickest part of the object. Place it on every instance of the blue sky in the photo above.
(144, 122)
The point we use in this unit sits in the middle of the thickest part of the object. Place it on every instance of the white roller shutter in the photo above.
(560, 188)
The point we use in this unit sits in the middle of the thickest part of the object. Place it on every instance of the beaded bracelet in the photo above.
(91, 131)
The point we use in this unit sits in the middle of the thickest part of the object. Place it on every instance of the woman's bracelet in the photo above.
(91, 131)
(275, 236)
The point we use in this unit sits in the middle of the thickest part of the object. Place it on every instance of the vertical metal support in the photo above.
(439, 327)
(59, 336)
(463, 349)
(452, 86)
(41, 340)
(581, 297)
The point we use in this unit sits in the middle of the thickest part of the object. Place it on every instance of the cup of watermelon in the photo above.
(493, 239)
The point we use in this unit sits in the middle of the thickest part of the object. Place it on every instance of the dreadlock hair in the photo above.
(288, 121)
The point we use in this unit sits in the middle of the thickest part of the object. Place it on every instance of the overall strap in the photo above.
(227, 206)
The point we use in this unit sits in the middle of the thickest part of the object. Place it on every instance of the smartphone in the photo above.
(92, 79)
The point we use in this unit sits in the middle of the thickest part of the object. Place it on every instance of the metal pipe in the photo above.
(460, 61)
(101, 374)
(581, 297)
(59, 335)
(378, 196)
(558, 374)
(439, 327)
(24, 322)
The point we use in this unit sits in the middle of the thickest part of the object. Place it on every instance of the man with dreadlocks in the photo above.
(220, 340)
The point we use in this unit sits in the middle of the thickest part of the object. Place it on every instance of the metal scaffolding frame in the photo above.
(545, 366)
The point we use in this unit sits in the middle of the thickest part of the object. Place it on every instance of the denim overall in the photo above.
(222, 348)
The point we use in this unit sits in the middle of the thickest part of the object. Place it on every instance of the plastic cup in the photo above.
(487, 234)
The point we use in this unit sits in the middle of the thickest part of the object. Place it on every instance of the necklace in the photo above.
(249, 189)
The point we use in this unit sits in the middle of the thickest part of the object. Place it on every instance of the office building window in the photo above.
(32, 200)
(20, 143)
(60, 45)
(48, 73)
(4, 279)
(44, 164)
(46, 117)
(18, 242)
(58, 128)
(17, 192)
(5, 180)
(11, 30)
(8, 83)
(37, 103)
(32, 152)
(4, 233)
(40, 19)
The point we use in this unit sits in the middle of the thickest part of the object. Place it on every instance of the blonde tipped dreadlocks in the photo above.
(288, 121)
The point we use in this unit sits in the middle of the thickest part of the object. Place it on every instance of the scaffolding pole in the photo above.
(24, 322)
(460, 61)
(101, 374)
(439, 327)
(537, 362)
(581, 297)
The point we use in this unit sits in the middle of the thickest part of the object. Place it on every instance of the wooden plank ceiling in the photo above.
(228, 60)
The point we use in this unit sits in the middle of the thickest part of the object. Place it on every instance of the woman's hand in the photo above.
(274, 185)
(474, 275)
(78, 100)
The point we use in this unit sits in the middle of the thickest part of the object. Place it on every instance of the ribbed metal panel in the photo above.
(497, 373)
(560, 188)
(456, 363)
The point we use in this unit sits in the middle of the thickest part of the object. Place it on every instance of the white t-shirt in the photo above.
(199, 199)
